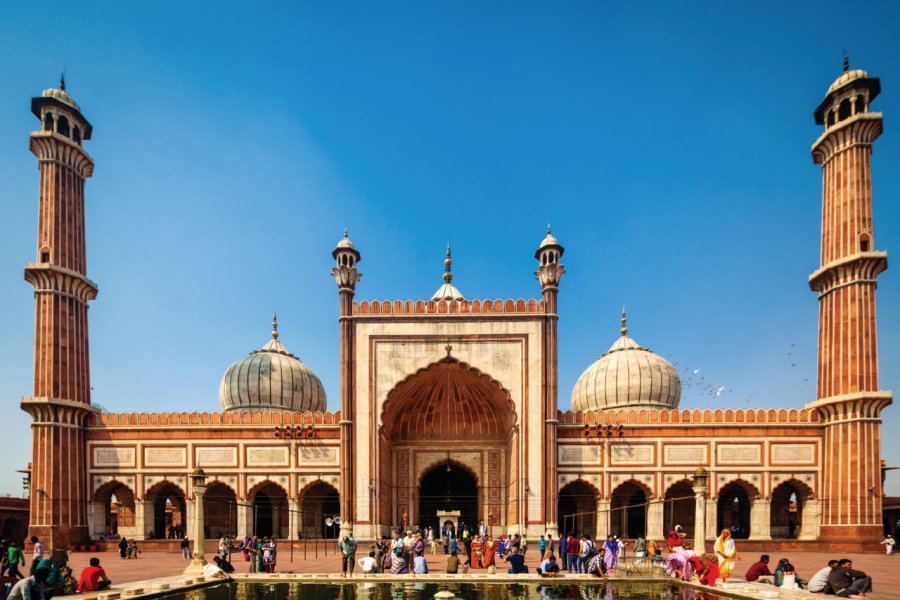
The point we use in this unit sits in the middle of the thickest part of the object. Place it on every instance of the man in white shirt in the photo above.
(367, 564)
(819, 581)
(38, 553)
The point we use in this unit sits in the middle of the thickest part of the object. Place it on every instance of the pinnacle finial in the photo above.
(448, 262)
(548, 229)
(846, 61)
(346, 234)
(274, 325)
(449, 349)
(62, 81)
(624, 329)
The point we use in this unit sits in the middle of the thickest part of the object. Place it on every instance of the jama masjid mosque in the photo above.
(449, 403)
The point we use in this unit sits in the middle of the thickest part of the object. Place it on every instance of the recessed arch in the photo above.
(270, 509)
(220, 509)
(679, 508)
(118, 506)
(448, 400)
(577, 508)
(319, 500)
(448, 485)
(733, 507)
(628, 509)
(786, 509)
(169, 508)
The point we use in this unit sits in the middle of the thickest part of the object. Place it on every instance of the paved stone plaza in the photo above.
(885, 570)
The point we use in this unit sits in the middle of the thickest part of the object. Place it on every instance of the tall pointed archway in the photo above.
(447, 414)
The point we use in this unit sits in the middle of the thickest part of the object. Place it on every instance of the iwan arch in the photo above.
(451, 402)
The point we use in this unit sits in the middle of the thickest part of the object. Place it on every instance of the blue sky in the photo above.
(667, 143)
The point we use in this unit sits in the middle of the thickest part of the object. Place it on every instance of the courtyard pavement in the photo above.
(885, 570)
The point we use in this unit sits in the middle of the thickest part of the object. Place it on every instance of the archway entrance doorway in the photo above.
(628, 511)
(270, 511)
(319, 506)
(168, 510)
(219, 510)
(448, 487)
(734, 510)
(680, 508)
(788, 501)
(578, 509)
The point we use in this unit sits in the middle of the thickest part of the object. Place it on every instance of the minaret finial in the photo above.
(548, 229)
(846, 61)
(624, 329)
(274, 325)
(62, 81)
(346, 234)
(448, 262)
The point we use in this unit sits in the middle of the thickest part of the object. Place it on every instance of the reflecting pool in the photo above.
(421, 590)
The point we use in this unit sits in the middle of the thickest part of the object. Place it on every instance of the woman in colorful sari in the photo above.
(726, 553)
(490, 549)
(611, 554)
(678, 565)
(477, 553)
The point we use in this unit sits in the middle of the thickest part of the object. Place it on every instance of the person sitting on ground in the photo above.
(223, 564)
(93, 577)
(818, 584)
(710, 571)
(517, 560)
(658, 557)
(759, 571)
(453, 563)
(847, 582)
(30, 588)
(549, 567)
(420, 566)
(367, 563)
(788, 578)
(399, 566)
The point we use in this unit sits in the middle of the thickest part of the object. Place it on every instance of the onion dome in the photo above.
(271, 379)
(845, 78)
(627, 376)
(448, 291)
(549, 242)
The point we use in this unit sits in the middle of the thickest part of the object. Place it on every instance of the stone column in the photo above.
(761, 519)
(701, 487)
(244, 519)
(602, 518)
(143, 517)
(712, 519)
(810, 520)
(293, 519)
(198, 479)
(97, 520)
(655, 519)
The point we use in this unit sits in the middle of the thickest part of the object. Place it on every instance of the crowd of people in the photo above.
(838, 578)
(47, 576)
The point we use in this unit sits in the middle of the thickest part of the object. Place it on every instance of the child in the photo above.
(789, 579)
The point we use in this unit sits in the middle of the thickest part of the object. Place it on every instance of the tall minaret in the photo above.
(848, 396)
(549, 272)
(61, 401)
(346, 257)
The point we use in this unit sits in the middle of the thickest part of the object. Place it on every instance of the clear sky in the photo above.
(668, 144)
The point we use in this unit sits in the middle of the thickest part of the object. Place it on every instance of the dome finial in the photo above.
(274, 325)
(846, 61)
(448, 262)
(346, 234)
(62, 81)
(624, 329)
(548, 229)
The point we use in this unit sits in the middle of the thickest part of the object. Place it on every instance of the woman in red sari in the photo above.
(477, 553)
(490, 549)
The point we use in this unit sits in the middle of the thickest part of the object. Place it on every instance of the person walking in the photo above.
(123, 547)
(889, 544)
(573, 549)
(38, 553)
(185, 548)
(563, 556)
(16, 558)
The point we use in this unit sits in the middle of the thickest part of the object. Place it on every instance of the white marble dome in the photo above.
(271, 379)
(627, 376)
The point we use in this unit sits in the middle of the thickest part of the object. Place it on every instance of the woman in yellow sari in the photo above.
(726, 553)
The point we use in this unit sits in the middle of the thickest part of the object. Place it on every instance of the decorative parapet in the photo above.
(215, 418)
(462, 307)
(717, 416)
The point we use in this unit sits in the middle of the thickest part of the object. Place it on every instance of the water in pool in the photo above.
(420, 590)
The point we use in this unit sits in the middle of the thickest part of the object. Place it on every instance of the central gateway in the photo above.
(449, 404)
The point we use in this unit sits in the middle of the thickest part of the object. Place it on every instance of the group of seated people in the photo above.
(839, 578)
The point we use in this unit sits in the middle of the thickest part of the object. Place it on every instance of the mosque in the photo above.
(449, 405)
